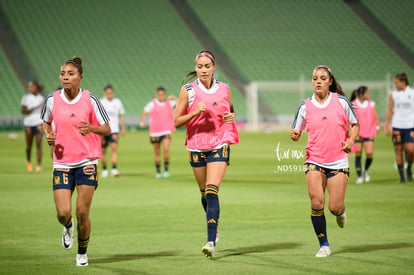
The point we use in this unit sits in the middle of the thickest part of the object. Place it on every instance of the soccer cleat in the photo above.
(38, 168)
(166, 175)
(67, 236)
(81, 260)
(341, 220)
(359, 180)
(209, 249)
(29, 167)
(115, 172)
(367, 178)
(104, 173)
(324, 251)
(158, 176)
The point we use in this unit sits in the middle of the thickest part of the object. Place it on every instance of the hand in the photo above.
(387, 130)
(84, 128)
(123, 132)
(201, 107)
(142, 124)
(50, 138)
(229, 117)
(347, 146)
(295, 134)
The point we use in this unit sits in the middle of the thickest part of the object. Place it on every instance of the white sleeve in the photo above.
(173, 103)
(121, 108)
(23, 101)
(299, 120)
(349, 111)
(46, 114)
(372, 104)
(99, 109)
(148, 107)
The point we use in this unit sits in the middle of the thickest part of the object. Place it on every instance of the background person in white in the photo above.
(116, 111)
(32, 103)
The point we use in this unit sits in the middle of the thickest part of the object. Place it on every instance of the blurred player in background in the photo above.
(32, 103)
(161, 126)
(369, 126)
(79, 119)
(115, 110)
(326, 116)
(401, 109)
(206, 110)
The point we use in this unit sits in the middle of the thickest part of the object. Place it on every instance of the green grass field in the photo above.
(141, 225)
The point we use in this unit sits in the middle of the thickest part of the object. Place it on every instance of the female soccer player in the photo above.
(115, 110)
(79, 120)
(206, 109)
(401, 108)
(326, 115)
(32, 103)
(369, 125)
(161, 126)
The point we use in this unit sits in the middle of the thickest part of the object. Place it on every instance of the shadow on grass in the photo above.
(373, 247)
(131, 257)
(256, 249)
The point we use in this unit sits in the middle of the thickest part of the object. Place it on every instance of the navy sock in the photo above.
(158, 167)
(104, 167)
(358, 165)
(113, 166)
(203, 200)
(319, 225)
(213, 211)
(69, 224)
(368, 161)
(166, 165)
(83, 245)
(401, 171)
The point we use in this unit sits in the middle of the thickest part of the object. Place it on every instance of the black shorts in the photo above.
(200, 159)
(68, 178)
(111, 138)
(34, 130)
(362, 140)
(329, 173)
(401, 136)
(155, 140)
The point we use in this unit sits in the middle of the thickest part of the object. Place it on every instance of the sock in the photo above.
(104, 167)
(213, 211)
(401, 171)
(358, 164)
(166, 164)
(203, 199)
(319, 225)
(113, 166)
(368, 161)
(83, 245)
(69, 224)
(158, 167)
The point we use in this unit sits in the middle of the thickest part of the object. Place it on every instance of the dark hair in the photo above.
(358, 92)
(77, 61)
(191, 75)
(160, 88)
(39, 87)
(402, 77)
(334, 87)
(109, 86)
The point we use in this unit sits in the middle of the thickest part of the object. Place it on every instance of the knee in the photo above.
(82, 215)
(317, 202)
(63, 216)
(337, 210)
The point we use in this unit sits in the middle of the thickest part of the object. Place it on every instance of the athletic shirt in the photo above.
(403, 116)
(33, 103)
(327, 127)
(208, 131)
(71, 149)
(366, 118)
(114, 109)
(161, 117)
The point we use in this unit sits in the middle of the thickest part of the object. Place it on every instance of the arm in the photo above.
(230, 117)
(181, 116)
(50, 135)
(388, 115)
(86, 128)
(377, 121)
(25, 110)
(122, 123)
(347, 145)
(172, 97)
(143, 116)
(299, 122)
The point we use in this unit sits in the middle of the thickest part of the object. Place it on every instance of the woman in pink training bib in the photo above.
(205, 108)
(326, 116)
(369, 126)
(79, 122)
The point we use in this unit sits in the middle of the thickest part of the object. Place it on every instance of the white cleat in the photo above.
(341, 220)
(82, 260)
(366, 176)
(209, 249)
(115, 172)
(360, 180)
(104, 173)
(67, 236)
(323, 252)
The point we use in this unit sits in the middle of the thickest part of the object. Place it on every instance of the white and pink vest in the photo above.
(161, 117)
(327, 129)
(208, 130)
(366, 118)
(70, 145)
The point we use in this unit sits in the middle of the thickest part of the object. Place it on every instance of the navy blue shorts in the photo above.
(68, 178)
(362, 140)
(155, 140)
(200, 159)
(401, 136)
(34, 130)
(329, 173)
(112, 138)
